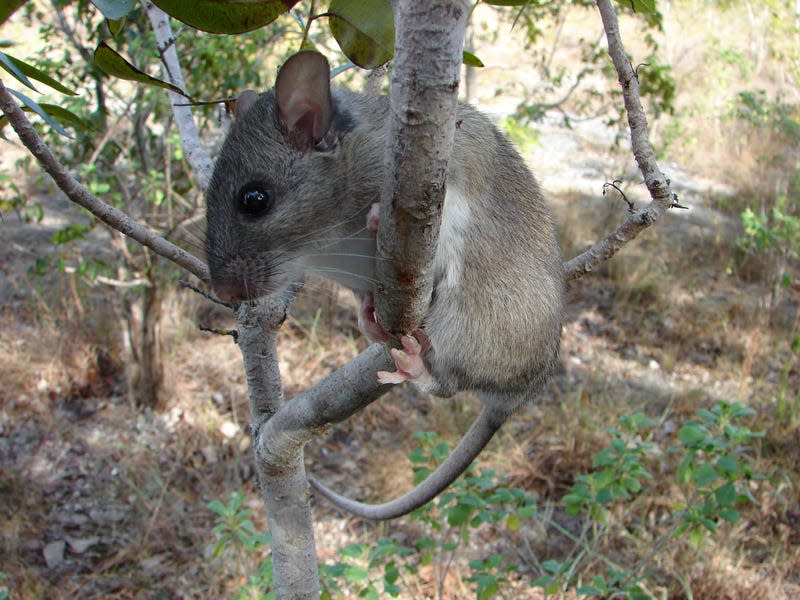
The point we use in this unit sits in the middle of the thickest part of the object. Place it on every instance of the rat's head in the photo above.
(270, 196)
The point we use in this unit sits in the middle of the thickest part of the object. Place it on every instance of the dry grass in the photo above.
(96, 467)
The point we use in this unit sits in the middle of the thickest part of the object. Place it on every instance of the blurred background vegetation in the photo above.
(125, 465)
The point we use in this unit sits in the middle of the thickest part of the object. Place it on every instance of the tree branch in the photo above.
(332, 400)
(76, 192)
(285, 488)
(280, 432)
(425, 75)
(657, 184)
(193, 149)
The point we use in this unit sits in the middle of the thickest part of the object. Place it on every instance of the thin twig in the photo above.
(194, 151)
(206, 295)
(614, 185)
(231, 332)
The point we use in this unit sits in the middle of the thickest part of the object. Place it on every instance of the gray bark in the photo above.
(657, 183)
(283, 486)
(193, 149)
(281, 430)
(427, 66)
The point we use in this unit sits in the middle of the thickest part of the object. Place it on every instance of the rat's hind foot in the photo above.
(408, 360)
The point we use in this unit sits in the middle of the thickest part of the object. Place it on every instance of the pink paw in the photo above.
(408, 362)
(366, 318)
(373, 218)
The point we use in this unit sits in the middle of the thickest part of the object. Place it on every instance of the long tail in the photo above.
(482, 430)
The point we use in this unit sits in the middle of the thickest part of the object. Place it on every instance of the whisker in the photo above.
(350, 254)
(347, 219)
(321, 270)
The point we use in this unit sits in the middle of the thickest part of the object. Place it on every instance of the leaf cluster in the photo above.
(713, 471)
(478, 499)
(234, 528)
(619, 471)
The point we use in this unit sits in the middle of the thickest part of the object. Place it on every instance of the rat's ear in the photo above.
(243, 103)
(303, 95)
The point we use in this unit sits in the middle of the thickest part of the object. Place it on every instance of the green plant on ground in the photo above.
(478, 498)
(776, 235)
(771, 219)
(713, 474)
(237, 534)
(618, 477)
(713, 471)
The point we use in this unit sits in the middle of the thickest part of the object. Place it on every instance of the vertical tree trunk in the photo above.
(429, 44)
(142, 326)
(283, 483)
(149, 387)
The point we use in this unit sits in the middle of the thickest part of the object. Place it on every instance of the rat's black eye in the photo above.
(254, 199)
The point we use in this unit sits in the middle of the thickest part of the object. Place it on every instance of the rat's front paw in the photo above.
(374, 218)
(366, 318)
(408, 362)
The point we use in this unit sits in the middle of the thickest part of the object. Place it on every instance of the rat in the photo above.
(294, 191)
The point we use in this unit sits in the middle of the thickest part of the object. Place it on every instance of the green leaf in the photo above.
(696, 536)
(8, 7)
(738, 411)
(391, 573)
(691, 434)
(552, 566)
(225, 16)
(115, 65)
(527, 512)
(604, 478)
(39, 111)
(458, 515)
(589, 590)
(57, 112)
(352, 551)
(38, 75)
(731, 515)
(218, 548)
(364, 30)
(355, 574)
(639, 6)
(706, 415)
(704, 474)
(115, 26)
(726, 495)
(471, 60)
(490, 591)
(512, 522)
(114, 9)
(728, 464)
(16, 72)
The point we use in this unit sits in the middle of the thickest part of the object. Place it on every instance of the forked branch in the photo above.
(657, 183)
